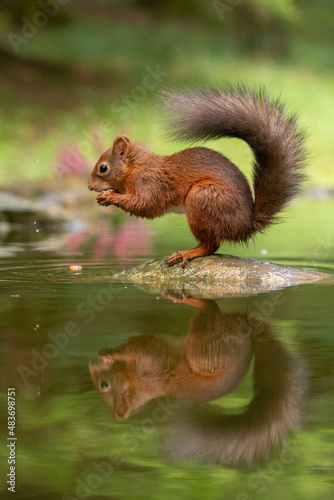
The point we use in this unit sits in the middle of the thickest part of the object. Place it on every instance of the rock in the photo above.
(17, 209)
(216, 276)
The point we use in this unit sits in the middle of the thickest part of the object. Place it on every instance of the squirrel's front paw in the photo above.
(106, 197)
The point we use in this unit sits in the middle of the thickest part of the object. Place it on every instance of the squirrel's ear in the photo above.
(121, 144)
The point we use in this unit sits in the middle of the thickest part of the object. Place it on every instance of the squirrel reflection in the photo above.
(209, 362)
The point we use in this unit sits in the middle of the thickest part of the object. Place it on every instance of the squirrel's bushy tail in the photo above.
(273, 135)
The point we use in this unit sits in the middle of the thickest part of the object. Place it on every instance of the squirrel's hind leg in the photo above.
(203, 211)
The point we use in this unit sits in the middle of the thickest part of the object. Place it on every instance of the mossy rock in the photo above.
(216, 276)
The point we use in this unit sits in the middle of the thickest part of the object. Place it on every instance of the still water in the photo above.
(125, 393)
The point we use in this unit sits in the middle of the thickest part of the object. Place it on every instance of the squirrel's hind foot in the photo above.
(187, 255)
(175, 257)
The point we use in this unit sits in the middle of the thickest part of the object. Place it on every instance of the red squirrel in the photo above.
(212, 192)
(210, 361)
(206, 364)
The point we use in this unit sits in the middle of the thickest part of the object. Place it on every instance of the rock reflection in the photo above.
(208, 363)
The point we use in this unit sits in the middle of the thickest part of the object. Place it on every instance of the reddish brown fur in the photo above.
(213, 193)
(210, 362)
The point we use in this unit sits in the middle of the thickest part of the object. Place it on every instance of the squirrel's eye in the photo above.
(104, 385)
(103, 169)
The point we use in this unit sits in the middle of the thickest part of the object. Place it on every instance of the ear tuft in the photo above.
(121, 144)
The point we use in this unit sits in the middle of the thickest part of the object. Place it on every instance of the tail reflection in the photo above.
(208, 363)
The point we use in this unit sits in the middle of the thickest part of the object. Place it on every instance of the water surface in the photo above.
(210, 399)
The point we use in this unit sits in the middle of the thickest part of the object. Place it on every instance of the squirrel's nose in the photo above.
(90, 187)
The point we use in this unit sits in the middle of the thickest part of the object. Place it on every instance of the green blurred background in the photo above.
(76, 73)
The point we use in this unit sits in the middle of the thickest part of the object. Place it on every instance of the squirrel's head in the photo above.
(111, 168)
(112, 381)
